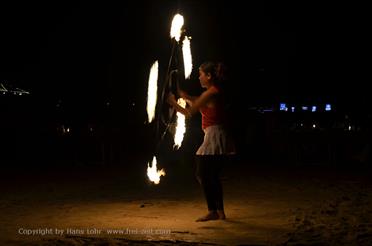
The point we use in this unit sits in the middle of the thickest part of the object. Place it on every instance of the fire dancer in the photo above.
(217, 144)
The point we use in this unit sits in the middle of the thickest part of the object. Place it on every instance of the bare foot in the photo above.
(221, 214)
(212, 215)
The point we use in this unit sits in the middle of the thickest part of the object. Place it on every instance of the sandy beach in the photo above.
(114, 205)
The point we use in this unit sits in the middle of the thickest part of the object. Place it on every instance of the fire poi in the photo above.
(184, 42)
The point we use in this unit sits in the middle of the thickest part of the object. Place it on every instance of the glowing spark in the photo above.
(152, 91)
(180, 127)
(153, 173)
(187, 58)
(176, 28)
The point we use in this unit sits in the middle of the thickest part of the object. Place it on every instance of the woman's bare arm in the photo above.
(202, 100)
(189, 99)
(197, 102)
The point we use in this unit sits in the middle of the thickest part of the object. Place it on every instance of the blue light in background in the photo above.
(283, 107)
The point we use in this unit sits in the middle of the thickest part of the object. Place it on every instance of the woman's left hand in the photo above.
(182, 94)
(171, 99)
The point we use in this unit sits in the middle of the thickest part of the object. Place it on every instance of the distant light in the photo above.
(314, 126)
(133, 104)
(302, 124)
(292, 109)
(313, 108)
(68, 130)
(328, 107)
(349, 128)
(283, 107)
(107, 104)
(304, 108)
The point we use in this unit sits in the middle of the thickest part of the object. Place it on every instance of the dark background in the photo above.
(86, 66)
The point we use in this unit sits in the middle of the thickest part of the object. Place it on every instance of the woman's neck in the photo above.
(209, 85)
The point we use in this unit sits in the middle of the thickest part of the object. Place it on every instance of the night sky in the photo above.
(87, 54)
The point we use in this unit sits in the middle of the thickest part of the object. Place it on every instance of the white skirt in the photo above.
(216, 142)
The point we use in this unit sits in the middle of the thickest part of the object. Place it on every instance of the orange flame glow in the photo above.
(176, 29)
(152, 91)
(180, 127)
(187, 58)
(153, 173)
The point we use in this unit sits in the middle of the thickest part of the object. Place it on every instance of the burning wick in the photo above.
(152, 91)
(187, 57)
(176, 28)
(180, 127)
(153, 173)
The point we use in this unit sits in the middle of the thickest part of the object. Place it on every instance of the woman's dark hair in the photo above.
(216, 70)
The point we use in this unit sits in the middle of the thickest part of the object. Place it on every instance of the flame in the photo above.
(153, 173)
(180, 127)
(187, 58)
(152, 91)
(176, 28)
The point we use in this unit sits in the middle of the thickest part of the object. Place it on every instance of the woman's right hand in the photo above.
(171, 99)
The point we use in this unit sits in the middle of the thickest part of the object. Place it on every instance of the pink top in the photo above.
(213, 115)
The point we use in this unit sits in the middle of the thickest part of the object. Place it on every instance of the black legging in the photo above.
(208, 168)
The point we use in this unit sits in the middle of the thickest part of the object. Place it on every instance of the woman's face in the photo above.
(204, 79)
